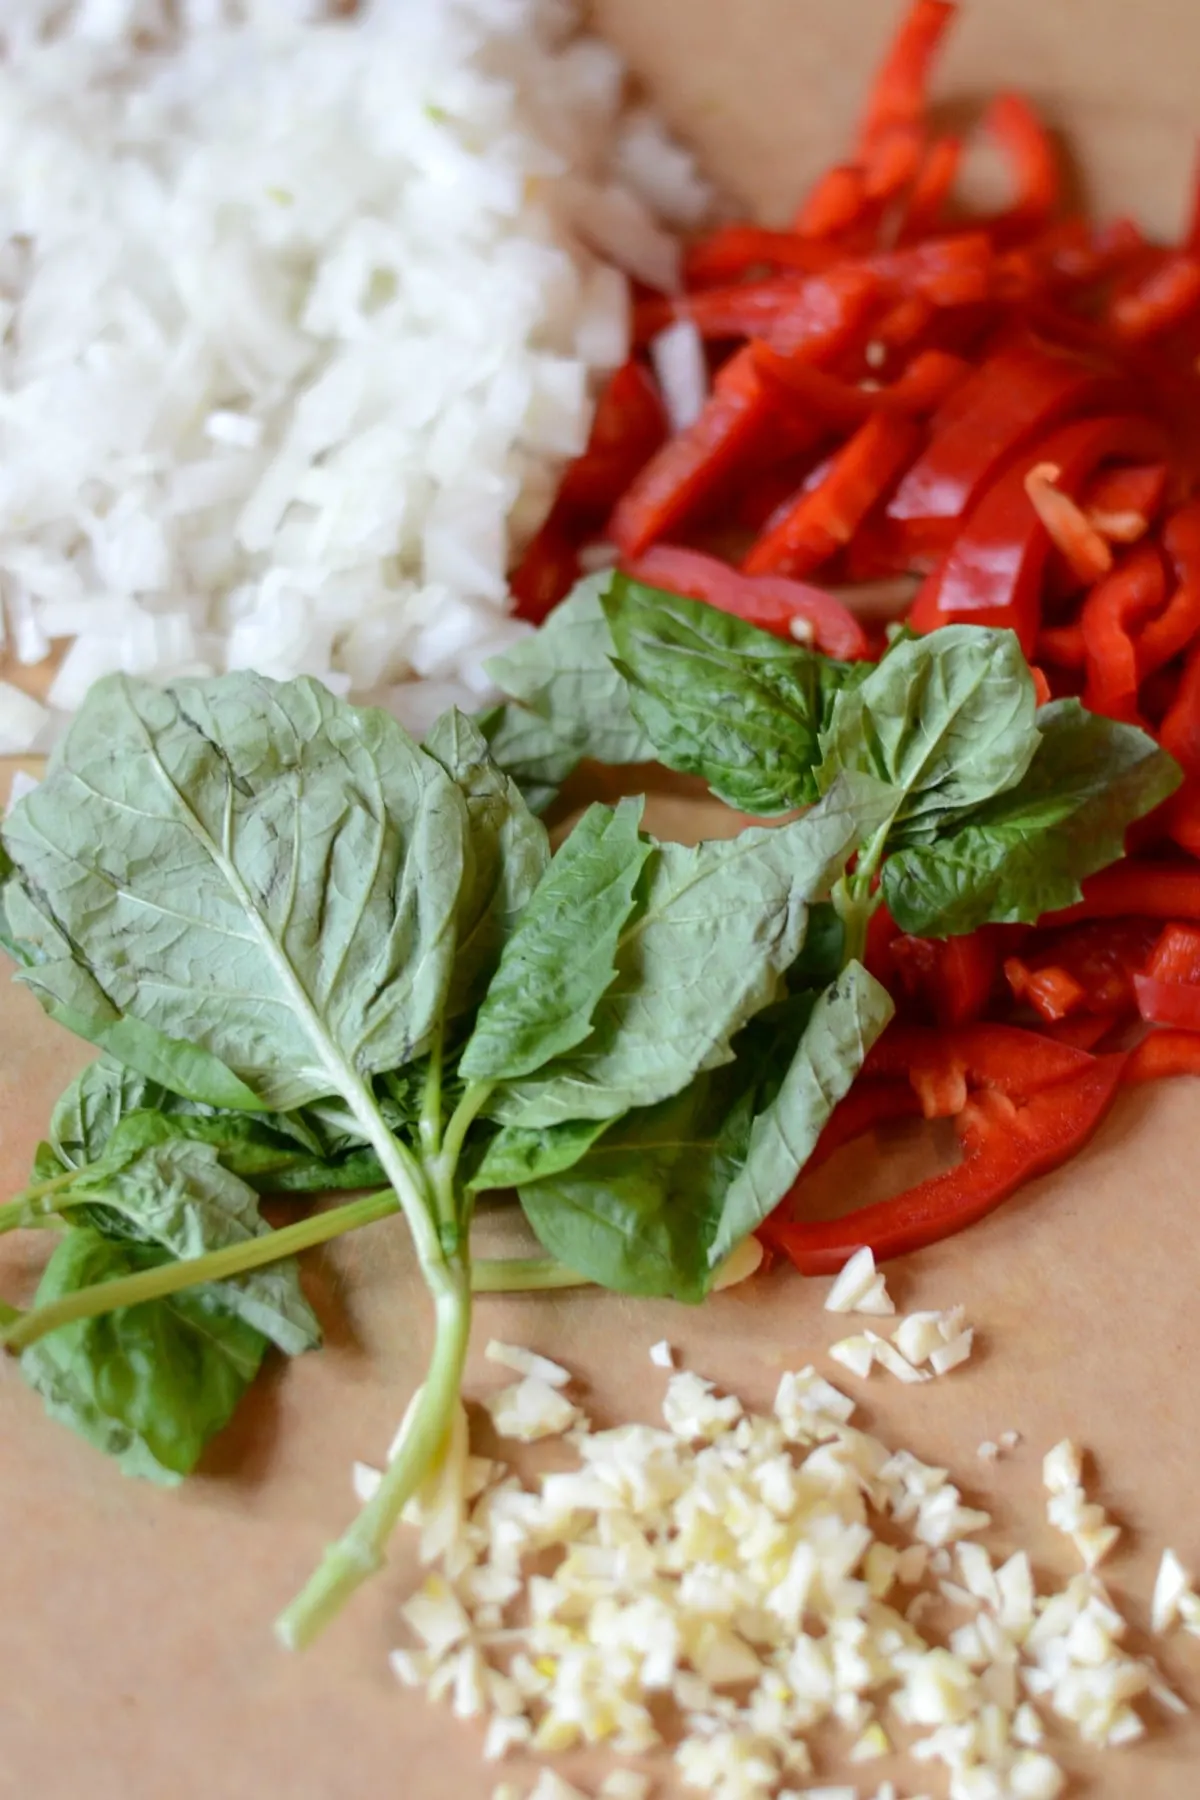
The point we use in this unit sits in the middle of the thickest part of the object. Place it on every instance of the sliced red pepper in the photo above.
(548, 570)
(1168, 1002)
(1062, 645)
(899, 92)
(1083, 1032)
(939, 1064)
(1088, 555)
(835, 205)
(1163, 1054)
(868, 1104)
(1043, 692)
(950, 978)
(790, 609)
(1088, 967)
(825, 518)
(931, 189)
(1165, 298)
(1178, 625)
(993, 574)
(1176, 955)
(1179, 733)
(1027, 144)
(1052, 992)
(629, 426)
(1149, 890)
(924, 385)
(1113, 614)
(1020, 393)
(1182, 818)
(1004, 1146)
(1121, 503)
(734, 251)
(894, 163)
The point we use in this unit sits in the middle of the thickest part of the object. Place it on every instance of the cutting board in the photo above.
(136, 1660)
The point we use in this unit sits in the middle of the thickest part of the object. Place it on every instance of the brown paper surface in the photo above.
(136, 1661)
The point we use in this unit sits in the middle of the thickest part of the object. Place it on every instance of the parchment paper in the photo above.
(136, 1661)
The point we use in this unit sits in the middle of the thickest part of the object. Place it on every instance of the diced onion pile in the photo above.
(299, 320)
(765, 1576)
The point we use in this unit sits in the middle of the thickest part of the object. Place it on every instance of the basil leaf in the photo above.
(530, 750)
(1026, 852)
(712, 933)
(630, 1214)
(149, 1384)
(844, 1023)
(948, 720)
(71, 996)
(514, 1156)
(254, 867)
(507, 854)
(564, 674)
(176, 1194)
(823, 953)
(724, 700)
(559, 961)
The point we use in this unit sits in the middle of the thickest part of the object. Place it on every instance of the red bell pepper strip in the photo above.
(929, 379)
(1026, 143)
(1165, 298)
(1178, 625)
(1083, 1032)
(1019, 394)
(548, 570)
(1162, 1054)
(1136, 889)
(629, 426)
(894, 163)
(733, 251)
(940, 1064)
(949, 271)
(825, 518)
(1176, 955)
(931, 189)
(688, 467)
(1179, 733)
(1004, 1146)
(868, 1104)
(1113, 613)
(835, 205)
(1043, 692)
(904, 324)
(1168, 1002)
(739, 414)
(1182, 818)
(1062, 645)
(1088, 555)
(1121, 503)
(1088, 967)
(899, 92)
(950, 978)
(790, 609)
(993, 573)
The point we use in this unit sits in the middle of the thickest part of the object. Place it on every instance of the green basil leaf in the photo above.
(844, 1023)
(175, 1193)
(724, 700)
(559, 961)
(948, 720)
(507, 854)
(256, 868)
(514, 1156)
(71, 995)
(150, 1384)
(564, 674)
(88, 1112)
(712, 933)
(1025, 853)
(530, 750)
(630, 1214)
(823, 952)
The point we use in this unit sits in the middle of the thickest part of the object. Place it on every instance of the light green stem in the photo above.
(453, 1209)
(431, 1100)
(360, 1552)
(9, 1314)
(36, 1201)
(523, 1275)
(218, 1265)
